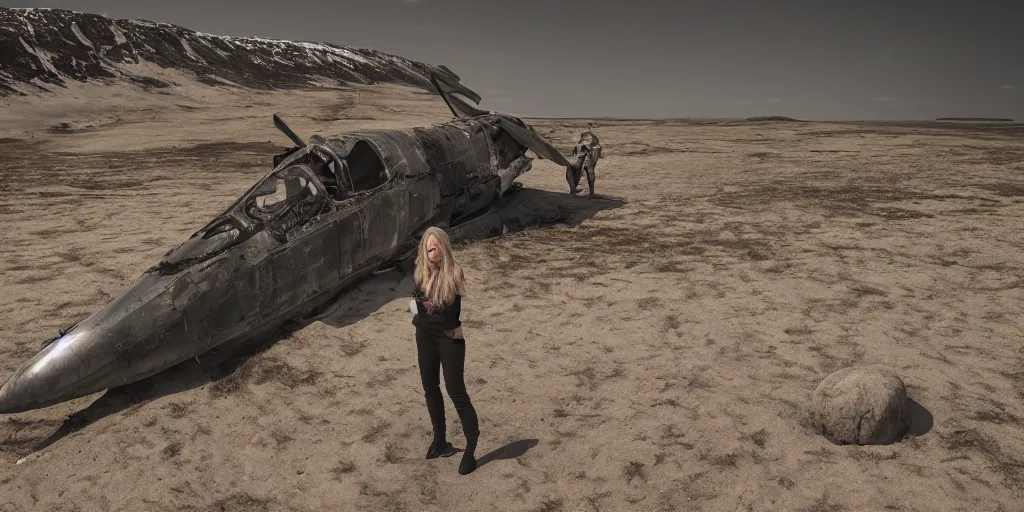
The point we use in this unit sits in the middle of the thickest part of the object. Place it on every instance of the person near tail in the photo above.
(587, 155)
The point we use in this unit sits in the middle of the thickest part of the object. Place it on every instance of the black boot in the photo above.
(440, 447)
(470, 427)
(468, 464)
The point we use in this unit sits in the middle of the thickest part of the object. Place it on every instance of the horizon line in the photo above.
(789, 120)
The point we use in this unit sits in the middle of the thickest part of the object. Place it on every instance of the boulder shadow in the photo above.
(921, 419)
(511, 450)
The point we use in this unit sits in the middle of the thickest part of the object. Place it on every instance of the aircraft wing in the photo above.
(531, 139)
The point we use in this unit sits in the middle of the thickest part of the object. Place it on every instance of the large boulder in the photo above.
(866, 405)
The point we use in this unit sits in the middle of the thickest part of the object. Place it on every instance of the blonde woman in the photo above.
(440, 285)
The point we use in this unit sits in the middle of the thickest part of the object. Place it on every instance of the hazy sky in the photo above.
(660, 58)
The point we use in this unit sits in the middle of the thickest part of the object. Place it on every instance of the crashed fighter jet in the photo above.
(331, 212)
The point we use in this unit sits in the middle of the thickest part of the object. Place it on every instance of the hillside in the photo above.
(43, 48)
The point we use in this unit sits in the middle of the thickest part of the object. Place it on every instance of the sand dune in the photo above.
(659, 356)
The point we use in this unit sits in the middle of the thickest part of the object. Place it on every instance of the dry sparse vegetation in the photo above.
(669, 344)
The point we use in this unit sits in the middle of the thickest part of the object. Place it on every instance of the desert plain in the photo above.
(659, 355)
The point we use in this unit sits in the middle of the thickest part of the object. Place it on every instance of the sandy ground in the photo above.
(659, 356)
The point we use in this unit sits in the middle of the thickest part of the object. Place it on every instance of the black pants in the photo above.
(437, 351)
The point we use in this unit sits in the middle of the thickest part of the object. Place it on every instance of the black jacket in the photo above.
(436, 318)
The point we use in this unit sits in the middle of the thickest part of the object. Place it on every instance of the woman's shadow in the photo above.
(510, 451)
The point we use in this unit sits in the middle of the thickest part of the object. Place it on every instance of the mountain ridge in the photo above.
(42, 48)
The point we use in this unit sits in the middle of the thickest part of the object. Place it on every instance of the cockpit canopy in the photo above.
(279, 203)
(285, 200)
(283, 192)
(365, 168)
(288, 199)
(350, 168)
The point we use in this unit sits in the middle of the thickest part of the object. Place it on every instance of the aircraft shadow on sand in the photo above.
(521, 208)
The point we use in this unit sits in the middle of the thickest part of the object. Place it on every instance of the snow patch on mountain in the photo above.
(81, 37)
(43, 48)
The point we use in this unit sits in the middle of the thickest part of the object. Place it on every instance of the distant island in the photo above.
(772, 118)
(1000, 119)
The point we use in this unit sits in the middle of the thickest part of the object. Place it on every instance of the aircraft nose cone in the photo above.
(160, 321)
(16, 394)
(41, 381)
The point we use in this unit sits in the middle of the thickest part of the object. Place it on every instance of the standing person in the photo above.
(587, 155)
(440, 285)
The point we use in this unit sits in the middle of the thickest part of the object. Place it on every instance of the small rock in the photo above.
(866, 405)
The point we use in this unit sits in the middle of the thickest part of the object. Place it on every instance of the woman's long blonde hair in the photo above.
(441, 282)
